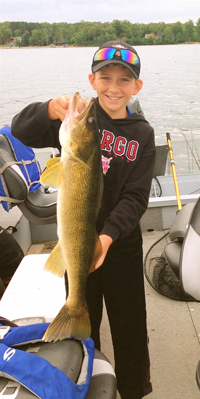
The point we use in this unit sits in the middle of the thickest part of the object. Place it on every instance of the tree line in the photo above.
(94, 33)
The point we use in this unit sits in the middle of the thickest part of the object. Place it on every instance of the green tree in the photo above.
(149, 41)
(168, 35)
(106, 37)
(36, 38)
(17, 32)
(152, 28)
(126, 30)
(2, 38)
(5, 34)
(142, 30)
(25, 38)
(179, 37)
(198, 30)
(177, 30)
(46, 29)
(117, 25)
(80, 38)
(189, 31)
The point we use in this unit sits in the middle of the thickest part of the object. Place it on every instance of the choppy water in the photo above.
(170, 96)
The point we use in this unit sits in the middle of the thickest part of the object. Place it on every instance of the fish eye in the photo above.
(90, 120)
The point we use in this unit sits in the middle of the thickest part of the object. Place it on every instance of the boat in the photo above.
(174, 326)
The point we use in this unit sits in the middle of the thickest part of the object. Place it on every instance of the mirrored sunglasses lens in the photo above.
(130, 57)
(104, 54)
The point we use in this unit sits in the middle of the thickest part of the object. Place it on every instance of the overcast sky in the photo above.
(142, 11)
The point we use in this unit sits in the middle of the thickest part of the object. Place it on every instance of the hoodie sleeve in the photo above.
(134, 196)
(33, 128)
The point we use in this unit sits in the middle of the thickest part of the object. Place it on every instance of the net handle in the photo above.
(174, 172)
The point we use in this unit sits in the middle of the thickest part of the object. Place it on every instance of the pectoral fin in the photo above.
(52, 176)
(55, 262)
(52, 161)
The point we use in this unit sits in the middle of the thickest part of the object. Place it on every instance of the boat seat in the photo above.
(161, 160)
(190, 255)
(177, 232)
(179, 226)
(38, 207)
(159, 170)
(172, 254)
(183, 254)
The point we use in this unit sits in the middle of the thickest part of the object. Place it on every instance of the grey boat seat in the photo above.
(38, 207)
(67, 356)
(183, 253)
(172, 253)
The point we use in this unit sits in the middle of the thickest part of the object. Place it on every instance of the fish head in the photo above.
(79, 128)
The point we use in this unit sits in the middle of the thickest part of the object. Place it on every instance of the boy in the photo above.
(128, 155)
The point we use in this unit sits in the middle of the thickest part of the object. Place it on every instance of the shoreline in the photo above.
(2, 47)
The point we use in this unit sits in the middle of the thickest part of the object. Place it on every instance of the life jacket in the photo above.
(35, 373)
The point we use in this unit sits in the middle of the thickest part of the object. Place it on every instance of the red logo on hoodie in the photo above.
(105, 164)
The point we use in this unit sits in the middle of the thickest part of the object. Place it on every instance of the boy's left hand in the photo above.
(57, 108)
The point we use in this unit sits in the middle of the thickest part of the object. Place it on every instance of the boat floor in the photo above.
(174, 339)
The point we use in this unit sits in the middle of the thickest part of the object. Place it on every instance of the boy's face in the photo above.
(115, 85)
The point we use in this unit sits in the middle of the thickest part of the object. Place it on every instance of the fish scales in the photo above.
(79, 177)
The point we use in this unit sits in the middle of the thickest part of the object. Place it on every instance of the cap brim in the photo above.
(102, 64)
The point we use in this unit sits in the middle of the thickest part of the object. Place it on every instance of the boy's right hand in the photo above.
(57, 108)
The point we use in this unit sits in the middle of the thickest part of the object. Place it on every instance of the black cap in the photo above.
(134, 67)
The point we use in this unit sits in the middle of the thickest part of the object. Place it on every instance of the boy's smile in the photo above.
(114, 85)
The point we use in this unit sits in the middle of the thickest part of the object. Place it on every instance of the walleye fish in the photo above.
(79, 178)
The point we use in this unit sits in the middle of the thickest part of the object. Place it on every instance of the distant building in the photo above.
(14, 40)
(148, 35)
(60, 43)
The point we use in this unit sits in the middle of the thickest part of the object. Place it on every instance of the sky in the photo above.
(135, 11)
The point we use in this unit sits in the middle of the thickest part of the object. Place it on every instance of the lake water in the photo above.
(170, 97)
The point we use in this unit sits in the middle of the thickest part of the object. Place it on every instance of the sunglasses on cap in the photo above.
(106, 54)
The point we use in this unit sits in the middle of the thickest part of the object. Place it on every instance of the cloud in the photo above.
(142, 11)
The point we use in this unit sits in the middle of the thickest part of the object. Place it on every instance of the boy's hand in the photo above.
(106, 242)
(57, 108)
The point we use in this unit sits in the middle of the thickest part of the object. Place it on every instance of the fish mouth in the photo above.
(81, 112)
(81, 108)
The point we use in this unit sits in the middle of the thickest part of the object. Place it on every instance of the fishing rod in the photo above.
(192, 152)
(197, 159)
(174, 171)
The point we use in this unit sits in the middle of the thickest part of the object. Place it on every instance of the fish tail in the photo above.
(69, 323)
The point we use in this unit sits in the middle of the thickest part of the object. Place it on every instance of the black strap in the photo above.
(7, 322)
